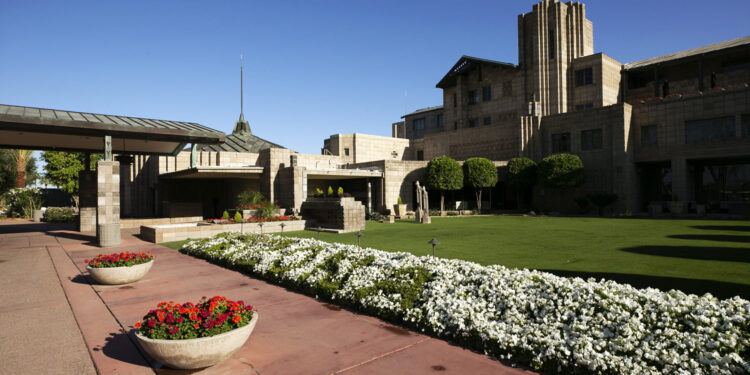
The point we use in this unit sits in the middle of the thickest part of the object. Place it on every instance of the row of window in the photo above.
(420, 122)
(473, 95)
(584, 77)
(590, 140)
(702, 131)
(473, 123)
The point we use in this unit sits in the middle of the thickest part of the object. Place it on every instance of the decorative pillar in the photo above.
(108, 203)
(87, 200)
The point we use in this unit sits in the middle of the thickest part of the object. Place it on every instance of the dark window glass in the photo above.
(746, 126)
(719, 182)
(487, 120)
(420, 155)
(473, 123)
(486, 93)
(551, 44)
(418, 124)
(709, 130)
(346, 151)
(581, 107)
(473, 97)
(440, 121)
(560, 143)
(584, 77)
(648, 136)
(591, 139)
(455, 125)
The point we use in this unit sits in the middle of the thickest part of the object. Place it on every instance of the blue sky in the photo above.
(312, 69)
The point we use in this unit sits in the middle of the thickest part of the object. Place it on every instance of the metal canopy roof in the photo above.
(50, 129)
(252, 171)
(466, 64)
(240, 142)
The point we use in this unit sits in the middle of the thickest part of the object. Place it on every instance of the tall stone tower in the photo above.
(549, 38)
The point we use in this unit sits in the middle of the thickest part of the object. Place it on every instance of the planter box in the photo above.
(399, 210)
(120, 275)
(341, 214)
(676, 208)
(197, 353)
(179, 232)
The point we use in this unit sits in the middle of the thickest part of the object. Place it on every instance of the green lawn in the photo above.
(696, 256)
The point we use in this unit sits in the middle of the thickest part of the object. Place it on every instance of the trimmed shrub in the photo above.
(521, 177)
(444, 173)
(561, 171)
(479, 173)
(59, 214)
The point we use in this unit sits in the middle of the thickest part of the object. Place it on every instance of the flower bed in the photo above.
(254, 219)
(209, 317)
(551, 323)
(122, 259)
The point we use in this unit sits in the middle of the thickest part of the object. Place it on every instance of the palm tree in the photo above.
(20, 157)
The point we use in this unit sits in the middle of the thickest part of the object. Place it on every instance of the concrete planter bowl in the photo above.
(197, 353)
(120, 275)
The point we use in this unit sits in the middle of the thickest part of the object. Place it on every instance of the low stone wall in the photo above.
(136, 223)
(340, 214)
(179, 232)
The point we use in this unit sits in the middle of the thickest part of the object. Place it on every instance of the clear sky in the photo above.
(312, 68)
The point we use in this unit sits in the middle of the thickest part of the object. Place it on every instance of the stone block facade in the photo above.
(108, 203)
(340, 214)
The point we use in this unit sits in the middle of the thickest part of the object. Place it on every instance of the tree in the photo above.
(521, 176)
(20, 158)
(443, 173)
(62, 169)
(561, 171)
(479, 173)
(9, 167)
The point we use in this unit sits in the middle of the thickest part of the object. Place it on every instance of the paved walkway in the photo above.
(52, 320)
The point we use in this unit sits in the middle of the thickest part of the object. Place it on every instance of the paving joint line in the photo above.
(122, 329)
(382, 356)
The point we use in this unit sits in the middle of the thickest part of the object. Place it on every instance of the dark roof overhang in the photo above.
(466, 64)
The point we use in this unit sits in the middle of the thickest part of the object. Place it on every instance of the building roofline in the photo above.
(711, 48)
(464, 64)
(424, 110)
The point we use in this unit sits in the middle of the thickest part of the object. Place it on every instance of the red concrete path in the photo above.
(296, 334)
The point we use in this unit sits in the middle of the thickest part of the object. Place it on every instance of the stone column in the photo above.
(108, 203)
(87, 201)
(680, 179)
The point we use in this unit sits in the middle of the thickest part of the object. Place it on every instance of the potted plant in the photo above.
(119, 268)
(190, 336)
(400, 208)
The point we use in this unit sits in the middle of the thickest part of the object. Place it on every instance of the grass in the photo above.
(696, 256)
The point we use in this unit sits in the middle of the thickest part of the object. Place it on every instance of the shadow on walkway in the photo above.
(727, 254)
(117, 347)
(719, 289)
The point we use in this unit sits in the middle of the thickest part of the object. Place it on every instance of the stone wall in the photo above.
(181, 232)
(340, 214)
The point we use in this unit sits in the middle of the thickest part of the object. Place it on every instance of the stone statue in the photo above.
(422, 213)
(418, 211)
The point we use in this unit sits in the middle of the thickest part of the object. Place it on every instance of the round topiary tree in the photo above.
(479, 173)
(521, 177)
(561, 171)
(443, 173)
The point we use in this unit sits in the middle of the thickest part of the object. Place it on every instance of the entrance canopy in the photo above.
(215, 172)
(50, 129)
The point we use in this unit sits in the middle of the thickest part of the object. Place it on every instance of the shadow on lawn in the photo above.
(738, 228)
(712, 237)
(719, 289)
(728, 254)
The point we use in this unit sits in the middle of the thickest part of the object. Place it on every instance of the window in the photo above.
(455, 100)
(440, 121)
(473, 97)
(420, 155)
(584, 77)
(746, 126)
(418, 124)
(508, 88)
(551, 44)
(581, 107)
(486, 93)
(648, 136)
(346, 151)
(487, 120)
(473, 123)
(560, 143)
(709, 130)
(455, 125)
(591, 139)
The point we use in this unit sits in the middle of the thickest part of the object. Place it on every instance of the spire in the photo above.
(241, 126)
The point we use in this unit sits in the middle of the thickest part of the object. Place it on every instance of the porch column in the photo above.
(108, 203)
(680, 180)
(87, 201)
